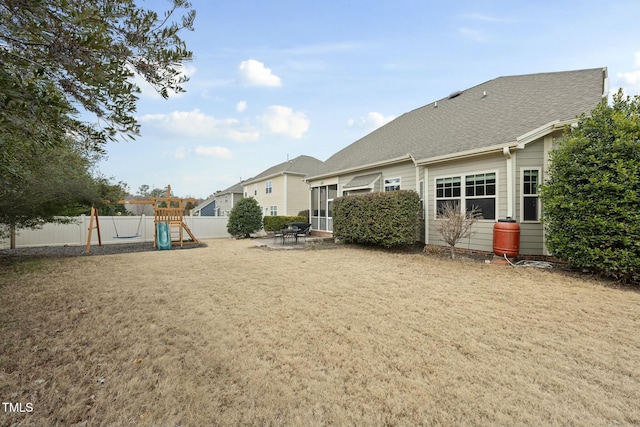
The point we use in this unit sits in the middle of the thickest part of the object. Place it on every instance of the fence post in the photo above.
(83, 230)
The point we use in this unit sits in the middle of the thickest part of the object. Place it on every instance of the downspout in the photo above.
(426, 204)
(510, 181)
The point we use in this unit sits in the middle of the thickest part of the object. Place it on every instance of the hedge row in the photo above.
(386, 219)
(278, 222)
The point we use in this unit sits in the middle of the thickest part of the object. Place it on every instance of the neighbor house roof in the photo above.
(204, 203)
(491, 114)
(235, 188)
(300, 165)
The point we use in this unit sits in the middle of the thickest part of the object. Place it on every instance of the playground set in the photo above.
(168, 222)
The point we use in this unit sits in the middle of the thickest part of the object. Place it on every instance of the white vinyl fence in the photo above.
(113, 230)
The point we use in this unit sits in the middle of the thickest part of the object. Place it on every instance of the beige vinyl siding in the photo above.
(482, 237)
(275, 198)
(531, 233)
(226, 202)
(297, 195)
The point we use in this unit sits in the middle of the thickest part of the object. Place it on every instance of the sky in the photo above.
(272, 80)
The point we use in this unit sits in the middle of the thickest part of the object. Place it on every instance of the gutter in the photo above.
(359, 168)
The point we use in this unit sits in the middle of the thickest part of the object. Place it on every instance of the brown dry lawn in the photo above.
(236, 335)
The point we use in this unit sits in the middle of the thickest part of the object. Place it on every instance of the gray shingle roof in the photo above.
(235, 188)
(492, 113)
(300, 165)
(362, 180)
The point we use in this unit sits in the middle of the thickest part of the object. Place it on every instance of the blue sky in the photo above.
(277, 79)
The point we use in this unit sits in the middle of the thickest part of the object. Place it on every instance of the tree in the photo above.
(58, 56)
(591, 200)
(59, 59)
(49, 185)
(245, 218)
(454, 226)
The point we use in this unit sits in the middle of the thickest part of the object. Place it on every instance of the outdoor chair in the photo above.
(277, 234)
(303, 228)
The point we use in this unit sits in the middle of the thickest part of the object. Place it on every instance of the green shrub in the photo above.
(385, 219)
(245, 218)
(305, 214)
(591, 201)
(271, 223)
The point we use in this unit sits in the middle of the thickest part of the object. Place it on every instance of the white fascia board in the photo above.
(359, 168)
(464, 154)
(542, 131)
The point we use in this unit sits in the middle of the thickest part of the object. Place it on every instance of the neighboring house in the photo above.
(226, 199)
(487, 146)
(206, 207)
(281, 190)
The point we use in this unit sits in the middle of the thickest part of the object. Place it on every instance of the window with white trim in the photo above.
(530, 180)
(392, 184)
(448, 190)
(479, 192)
(273, 210)
(267, 187)
(255, 189)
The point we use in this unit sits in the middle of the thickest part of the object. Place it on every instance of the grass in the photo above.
(231, 334)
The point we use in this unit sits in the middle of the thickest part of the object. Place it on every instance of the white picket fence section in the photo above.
(76, 233)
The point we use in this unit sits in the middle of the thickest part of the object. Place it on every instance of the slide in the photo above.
(163, 236)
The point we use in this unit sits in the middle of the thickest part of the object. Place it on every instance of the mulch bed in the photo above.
(74, 251)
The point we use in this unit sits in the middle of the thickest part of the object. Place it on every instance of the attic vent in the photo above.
(454, 94)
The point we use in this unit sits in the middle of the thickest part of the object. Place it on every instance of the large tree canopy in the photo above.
(58, 57)
(61, 60)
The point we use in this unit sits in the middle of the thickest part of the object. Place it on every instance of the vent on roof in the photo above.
(454, 94)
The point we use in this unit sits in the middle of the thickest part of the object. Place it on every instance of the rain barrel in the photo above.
(506, 237)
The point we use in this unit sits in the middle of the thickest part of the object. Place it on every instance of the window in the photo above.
(255, 189)
(530, 198)
(479, 192)
(447, 191)
(421, 192)
(268, 188)
(322, 206)
(273, 210)
(392, 184)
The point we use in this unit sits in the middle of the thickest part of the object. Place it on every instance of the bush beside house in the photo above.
(591, 201)
(278, 222)
(385, 219)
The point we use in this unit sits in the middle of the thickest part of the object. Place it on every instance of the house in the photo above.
(486, 147)
(226, 199)
(280, 190)
(206, 207)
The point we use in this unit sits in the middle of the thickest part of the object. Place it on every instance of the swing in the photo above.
(118, 236)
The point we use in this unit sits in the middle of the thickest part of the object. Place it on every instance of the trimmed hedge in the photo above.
(591, 201)
(385, 219)
(277, 222)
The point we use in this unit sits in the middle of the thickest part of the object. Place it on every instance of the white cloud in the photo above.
(486, 18)
(213, 151)
(472, 34)
(254, 73)
(284, 121)
(180, 153)
(371, 121)
(631, 79)
(241, 106)
(196, 125)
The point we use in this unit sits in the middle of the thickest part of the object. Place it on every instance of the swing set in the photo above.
(167, 210)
